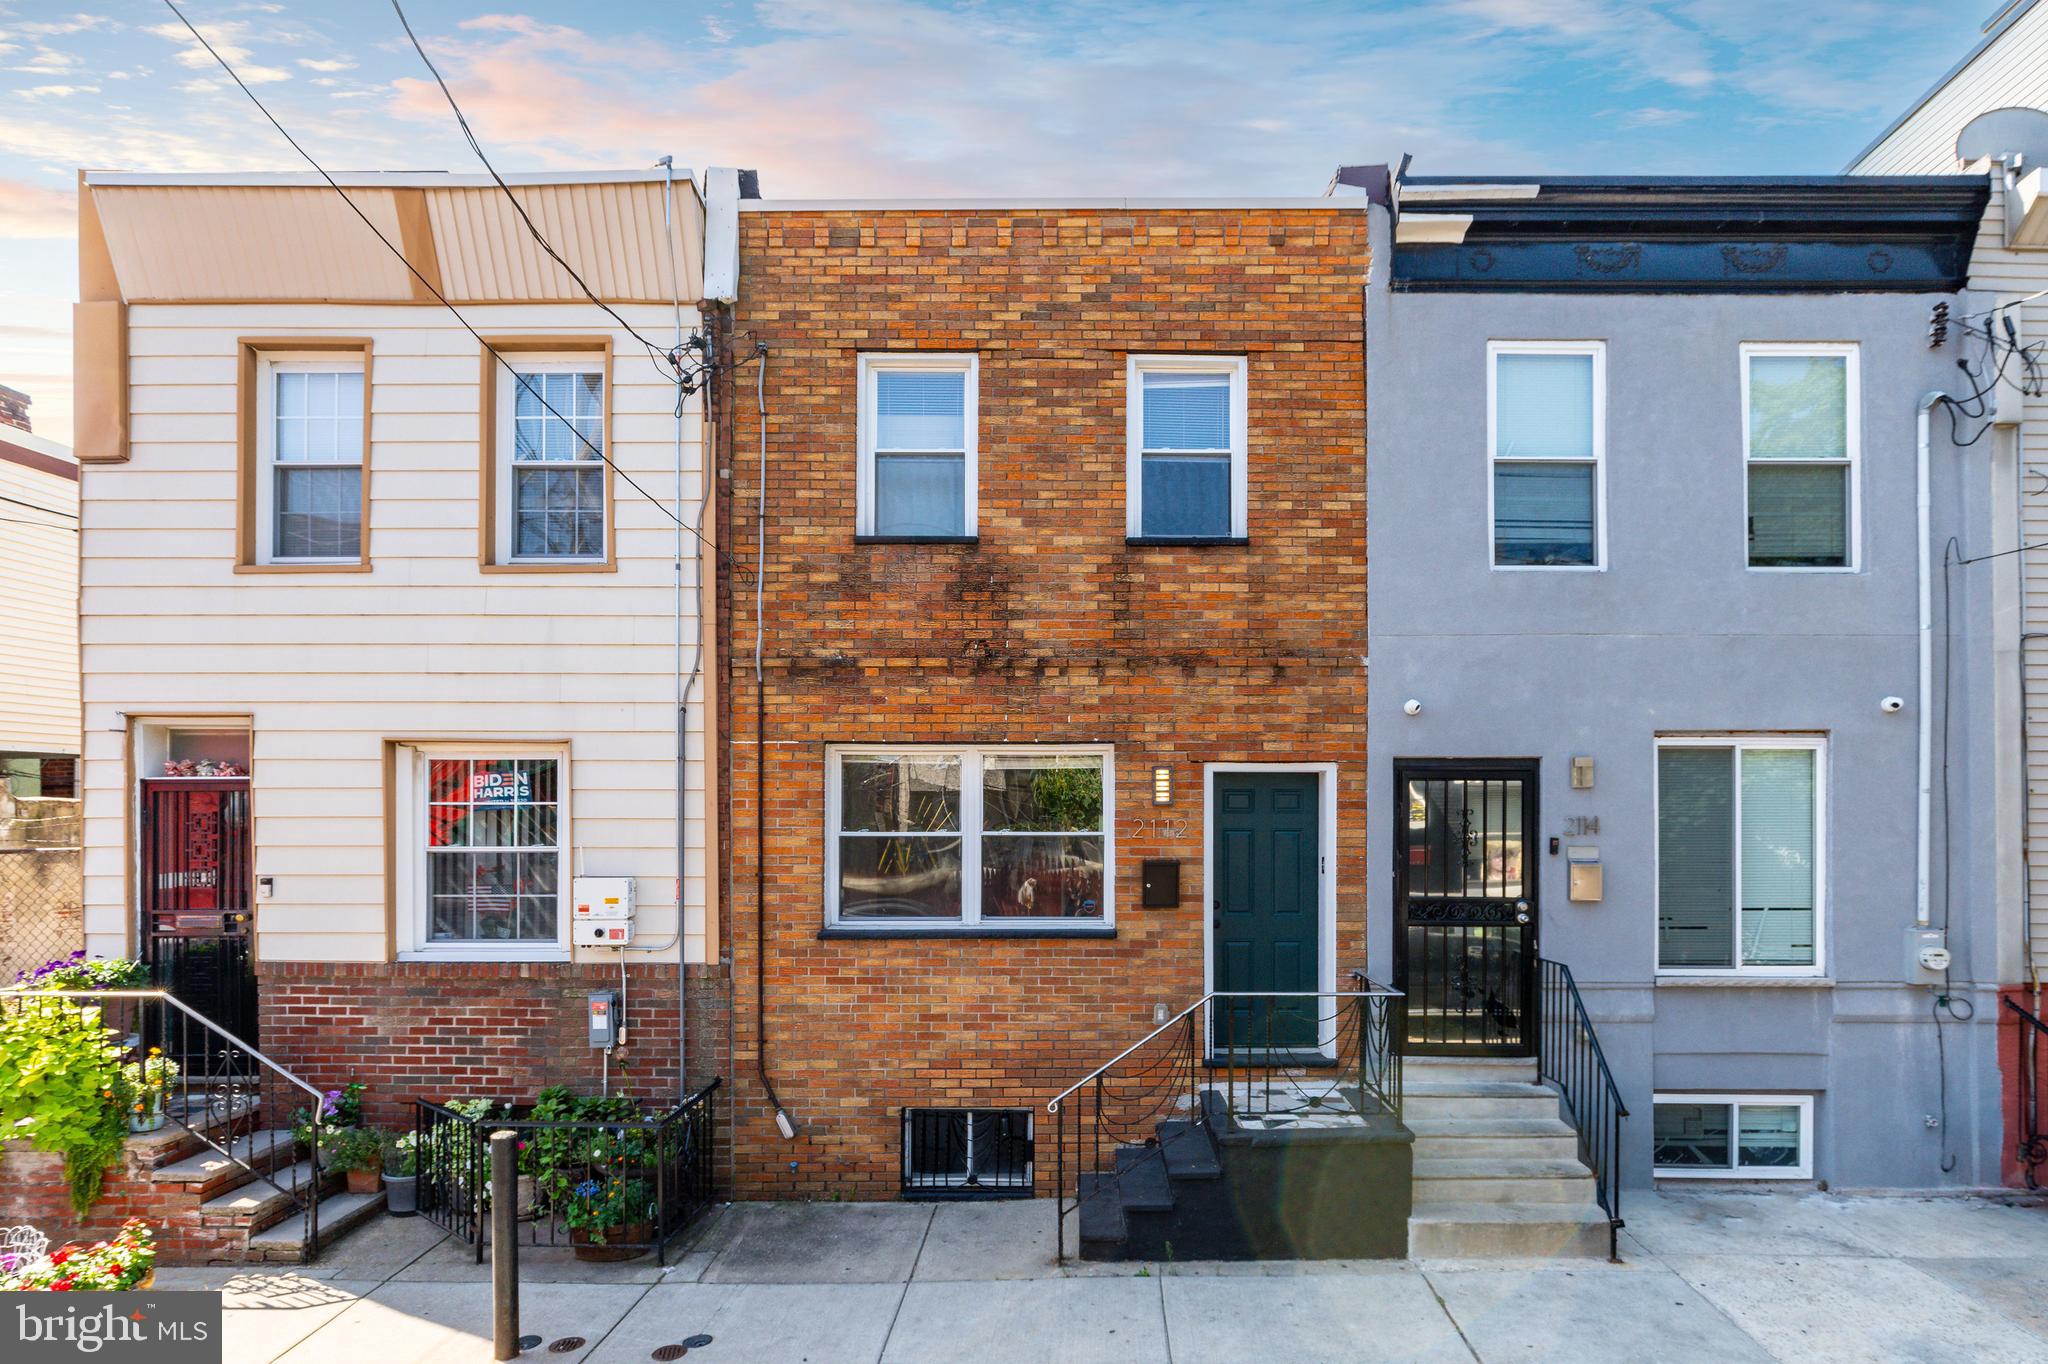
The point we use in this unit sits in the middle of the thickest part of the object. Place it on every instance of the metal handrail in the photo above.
(308, 1199)
(1374, 991)
(1599, 1141)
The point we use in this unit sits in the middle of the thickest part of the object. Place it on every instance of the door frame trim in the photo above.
(1326, 881)
(1530, 772)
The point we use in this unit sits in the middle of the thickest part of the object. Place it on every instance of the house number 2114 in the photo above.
(1581, 826)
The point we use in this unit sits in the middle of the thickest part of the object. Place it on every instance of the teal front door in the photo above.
(1265, 910)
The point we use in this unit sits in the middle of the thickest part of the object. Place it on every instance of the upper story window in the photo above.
(1740, 842)
(1185, 462)
(1800, 442)
(924, 838)
(1546, 442)
(551, 483)
(312, 458)
(917, 446)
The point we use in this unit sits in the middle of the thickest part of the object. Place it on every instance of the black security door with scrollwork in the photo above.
(1465, 913)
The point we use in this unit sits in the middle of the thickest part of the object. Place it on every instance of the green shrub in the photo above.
(61, 1087)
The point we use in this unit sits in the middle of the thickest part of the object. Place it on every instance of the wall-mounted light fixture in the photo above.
(1162, 786)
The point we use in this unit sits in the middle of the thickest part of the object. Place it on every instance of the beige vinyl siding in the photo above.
(2013, 71)
(423, 646)
(39, 629)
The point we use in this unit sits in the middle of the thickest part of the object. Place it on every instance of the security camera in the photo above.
(1892, 705)
(1411, 707)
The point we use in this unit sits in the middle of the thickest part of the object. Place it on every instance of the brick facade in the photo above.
(442, 1030)
(1049, 629)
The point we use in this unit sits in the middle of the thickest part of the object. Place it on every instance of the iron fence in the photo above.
(613, 1188)
(41, 915)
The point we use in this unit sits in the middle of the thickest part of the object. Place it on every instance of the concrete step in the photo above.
(1502, 1138)
(1102, 1212)
(1494, 1180)
(208, 1172)
(1517, 1069)
(340, 1214)
(260, 1202)
(1141, 1179)
(1519, 1231)
(1425, 1098)
(1189, 1152)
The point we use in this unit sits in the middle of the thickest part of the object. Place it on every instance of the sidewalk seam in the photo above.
(915, 1261)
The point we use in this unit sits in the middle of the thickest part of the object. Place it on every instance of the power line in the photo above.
(430, 287)
(46, 525)
(37, 506)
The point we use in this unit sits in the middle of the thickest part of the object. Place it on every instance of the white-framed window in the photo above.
(919, 429)
(1741, 854)
(1546, 443)
(310, 450)
(922, 837)
(1185, 448)
(1801, 445)
(1733, 1136)
(551, 476)
(484, 832)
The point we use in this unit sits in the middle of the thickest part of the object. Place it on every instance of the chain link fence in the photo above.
(41, 917)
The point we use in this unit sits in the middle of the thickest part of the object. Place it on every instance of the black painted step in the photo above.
(1189, 1152)
(1141, 1179)
(1102, 1211)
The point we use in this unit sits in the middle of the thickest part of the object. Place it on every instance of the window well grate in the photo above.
(967, 1153)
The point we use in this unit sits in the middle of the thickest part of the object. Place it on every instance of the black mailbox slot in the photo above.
(1159, 883)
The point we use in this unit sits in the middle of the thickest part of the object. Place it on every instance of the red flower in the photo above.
(61, 1285)
(59, 1257)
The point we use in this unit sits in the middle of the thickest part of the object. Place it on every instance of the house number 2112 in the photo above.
(1162, 828)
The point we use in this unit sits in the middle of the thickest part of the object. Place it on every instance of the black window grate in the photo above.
(967, 1153)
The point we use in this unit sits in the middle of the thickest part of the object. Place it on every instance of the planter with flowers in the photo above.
(610, 1218)
(127, 1261)
(62, 1087)
(401, 1177)
(149, 1083)
(357, 1152)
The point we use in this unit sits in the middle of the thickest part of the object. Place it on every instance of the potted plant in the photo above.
(610, 1218)
(149, 1084)
(62, 1088)
(401, 1176)
(357, 1152)
(126, 1262)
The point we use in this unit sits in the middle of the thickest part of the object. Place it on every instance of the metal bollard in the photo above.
(504, 1244)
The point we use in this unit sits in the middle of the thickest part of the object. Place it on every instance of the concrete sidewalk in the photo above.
(1723, 1277)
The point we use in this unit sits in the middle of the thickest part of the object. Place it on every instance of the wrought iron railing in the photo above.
(1262, 1055)
(1569, 1057)
(234, 1099)
(612, 1187)
(2032, 1148)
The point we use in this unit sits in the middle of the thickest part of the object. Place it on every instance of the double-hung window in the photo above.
(917, 447)
(486, 828)
(926, 837)
(1741, 852)
(1800, 435)
(1546, 441)
(1733, 1136)
(551, 475)
(311, 448)
(1185, 462)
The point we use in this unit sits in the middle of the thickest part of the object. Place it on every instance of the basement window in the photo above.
(1733, 1136)
(967, 1153)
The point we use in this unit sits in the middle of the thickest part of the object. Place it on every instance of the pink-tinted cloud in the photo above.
(28, 210)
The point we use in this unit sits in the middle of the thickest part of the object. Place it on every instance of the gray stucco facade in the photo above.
(1676, 635)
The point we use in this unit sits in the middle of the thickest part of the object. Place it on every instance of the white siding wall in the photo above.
(2013, 71)
(424, 646)
(39, 635)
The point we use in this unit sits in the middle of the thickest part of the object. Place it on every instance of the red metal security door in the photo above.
(196, 894)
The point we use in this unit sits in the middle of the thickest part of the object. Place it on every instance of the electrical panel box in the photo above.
(603, 910)
(1927, 956)
(604, 1018)
(1586, 883)
(1159, 883)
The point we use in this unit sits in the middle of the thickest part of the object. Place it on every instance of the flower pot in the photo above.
(402, 1195)
(363, 1181)
(634, 1232)
(147, 1281)
(148, 1119)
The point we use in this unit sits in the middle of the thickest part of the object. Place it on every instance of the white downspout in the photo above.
(1924, 858)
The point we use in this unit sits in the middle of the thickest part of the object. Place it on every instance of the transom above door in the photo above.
(1465, 911)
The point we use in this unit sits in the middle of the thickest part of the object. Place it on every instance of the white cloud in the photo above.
(327, 63)
(77, 23)
(57, 91)
(226, 39)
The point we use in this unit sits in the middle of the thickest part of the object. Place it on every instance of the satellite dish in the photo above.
(2003, 132)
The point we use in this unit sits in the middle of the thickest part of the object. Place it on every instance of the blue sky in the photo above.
(926, 97)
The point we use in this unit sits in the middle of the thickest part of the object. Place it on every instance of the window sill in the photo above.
(917, 539)
(1733, 981)
(565, 566)
(1188, 541)
(312, 566)
(971, 931)
(453, 956)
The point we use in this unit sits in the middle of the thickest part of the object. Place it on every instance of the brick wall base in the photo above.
(2012, 1031)
(33, 1190)
(438, 1030)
